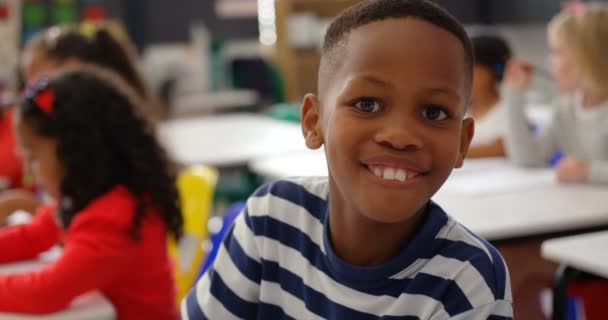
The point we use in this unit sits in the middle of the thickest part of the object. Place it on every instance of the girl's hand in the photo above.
(518, 74)
(572, 169)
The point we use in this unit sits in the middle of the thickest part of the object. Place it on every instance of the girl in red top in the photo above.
(115, 201)
(51, 50)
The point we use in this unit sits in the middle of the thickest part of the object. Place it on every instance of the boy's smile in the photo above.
(390, 116)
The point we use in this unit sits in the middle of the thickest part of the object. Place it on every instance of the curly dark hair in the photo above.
(103, 141)
(370, 11)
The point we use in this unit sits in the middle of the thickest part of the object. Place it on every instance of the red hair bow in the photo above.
(45, 99)
(42, 95)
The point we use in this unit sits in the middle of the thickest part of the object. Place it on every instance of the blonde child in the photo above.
(579, 128)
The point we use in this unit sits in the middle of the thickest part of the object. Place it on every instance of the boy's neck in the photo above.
(367, 243)
(484, 102)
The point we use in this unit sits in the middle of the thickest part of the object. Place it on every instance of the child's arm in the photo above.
(27, 241)
(522, 145)
(598, 172)
(230, 289)
(95, 253)
(576, 170)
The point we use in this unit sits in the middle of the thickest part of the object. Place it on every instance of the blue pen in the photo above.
(556, 158)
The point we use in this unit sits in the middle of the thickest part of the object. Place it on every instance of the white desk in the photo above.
(586, 252)
(297, 164)
(512, 202)
(229, 140)
(90, 306)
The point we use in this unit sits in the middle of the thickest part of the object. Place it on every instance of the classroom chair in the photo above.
(196, 186)
(216, 238)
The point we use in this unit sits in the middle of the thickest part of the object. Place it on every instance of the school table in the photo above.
(229, 140)
(492, 197)
(580, 254)
(585, 252)
(90, 306)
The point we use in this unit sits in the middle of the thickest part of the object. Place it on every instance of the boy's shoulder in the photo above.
(470, 261)
(308, 193)
(298, 205)
(290, 187)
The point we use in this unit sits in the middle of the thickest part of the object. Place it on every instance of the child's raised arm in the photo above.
(522, 145)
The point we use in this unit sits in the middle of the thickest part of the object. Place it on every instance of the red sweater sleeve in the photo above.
(27, 241)
(95, 253)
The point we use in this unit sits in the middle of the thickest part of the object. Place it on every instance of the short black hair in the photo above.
(492, 51)
(369, 11)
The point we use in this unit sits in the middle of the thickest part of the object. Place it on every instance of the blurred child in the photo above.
(580, 124)
(115, 200)
(368, 242)
(67, 46)
(491, 55)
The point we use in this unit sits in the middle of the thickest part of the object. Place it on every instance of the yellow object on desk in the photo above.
(196, 186)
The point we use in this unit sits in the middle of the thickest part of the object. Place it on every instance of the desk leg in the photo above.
(563, 278)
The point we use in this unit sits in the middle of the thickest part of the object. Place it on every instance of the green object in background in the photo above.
(285, 111)
(64, 11)
(33, 15)
(217, 64)
(235, 184)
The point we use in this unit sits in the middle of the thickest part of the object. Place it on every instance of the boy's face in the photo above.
(391, 118)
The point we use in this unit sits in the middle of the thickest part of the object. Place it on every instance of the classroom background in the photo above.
(231, 75)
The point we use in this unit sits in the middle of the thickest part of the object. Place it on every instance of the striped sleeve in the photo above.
(230, 289)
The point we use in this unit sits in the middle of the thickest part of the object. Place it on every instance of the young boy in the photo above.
(368, 242)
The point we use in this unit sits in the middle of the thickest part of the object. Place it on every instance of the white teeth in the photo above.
(401, 175)
(378, 172)
(389, 174)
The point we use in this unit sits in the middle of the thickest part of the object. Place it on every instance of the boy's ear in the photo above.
(311, 122)
(466, 135)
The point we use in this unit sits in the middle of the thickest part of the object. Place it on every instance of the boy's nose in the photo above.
(398, 134)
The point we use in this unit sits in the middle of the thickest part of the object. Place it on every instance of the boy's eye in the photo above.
(367, 105)
(435, 113)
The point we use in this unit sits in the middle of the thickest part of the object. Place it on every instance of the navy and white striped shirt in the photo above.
(276, 263)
